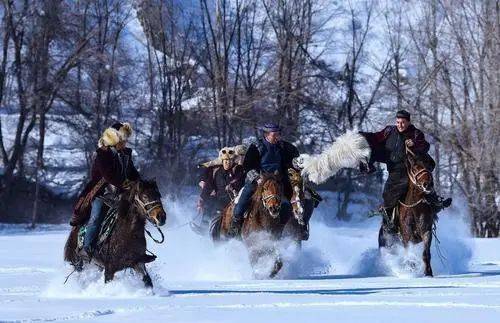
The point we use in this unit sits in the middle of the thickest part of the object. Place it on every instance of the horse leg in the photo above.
(427, 239)
(140, 268)
(382, 241)
(109, 274)
(278, 264)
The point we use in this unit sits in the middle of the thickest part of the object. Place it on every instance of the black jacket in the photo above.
(388, 146)
(252, 158)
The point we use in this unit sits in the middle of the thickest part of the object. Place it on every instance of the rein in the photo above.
(147, 207)
(414, 204)
(151, 236)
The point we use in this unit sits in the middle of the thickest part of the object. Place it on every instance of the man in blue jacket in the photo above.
(269, 154)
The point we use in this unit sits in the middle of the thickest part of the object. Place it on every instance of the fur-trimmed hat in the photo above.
(227, 153)
(124, 129)
(115, 134)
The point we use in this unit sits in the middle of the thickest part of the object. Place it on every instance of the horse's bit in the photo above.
(149, 206)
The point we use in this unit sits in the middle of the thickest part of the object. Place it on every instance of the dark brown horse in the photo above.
(416, 217)
(261, 227)
(126, 245)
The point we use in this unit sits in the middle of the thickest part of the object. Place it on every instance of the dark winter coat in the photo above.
(388, 146)
(255, 153)
(109, 167)
(216, 179)
(258, 156)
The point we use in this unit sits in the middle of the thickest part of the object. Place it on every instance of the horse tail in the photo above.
(71, 245)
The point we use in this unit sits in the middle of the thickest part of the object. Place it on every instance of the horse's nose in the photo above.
(274, 209)
(162, 218)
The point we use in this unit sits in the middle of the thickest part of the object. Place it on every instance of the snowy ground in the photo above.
(339, 275)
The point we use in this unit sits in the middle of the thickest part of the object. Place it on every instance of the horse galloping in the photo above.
(416, 216)
(125, 246)
(261, 227)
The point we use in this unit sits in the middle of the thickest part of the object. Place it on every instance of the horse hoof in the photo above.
(277, 267)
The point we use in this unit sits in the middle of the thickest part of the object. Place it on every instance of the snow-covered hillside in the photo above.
(339, 275)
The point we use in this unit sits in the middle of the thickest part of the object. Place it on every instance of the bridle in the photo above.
(148, 207)
(414, 178)
(267, 198)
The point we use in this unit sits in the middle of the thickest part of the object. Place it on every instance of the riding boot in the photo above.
(240, 209)
(437, 202)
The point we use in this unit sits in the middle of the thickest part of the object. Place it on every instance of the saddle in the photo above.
(107, 227)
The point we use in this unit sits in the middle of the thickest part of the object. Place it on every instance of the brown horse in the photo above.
(126, 245)
(416, 217)
(261, 227)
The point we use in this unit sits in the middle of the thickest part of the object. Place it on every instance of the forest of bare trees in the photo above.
(193, 76)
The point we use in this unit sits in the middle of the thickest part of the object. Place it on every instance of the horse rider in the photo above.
(389, 147)
(269, 154)
(220, 184)
(112, 171)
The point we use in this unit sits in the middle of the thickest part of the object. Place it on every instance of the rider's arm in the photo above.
(252, 159)
(377, 139)
(209, 183)
(420, 145)
(134, 173)
(291, 152)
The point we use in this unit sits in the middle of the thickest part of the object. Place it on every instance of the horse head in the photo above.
(297, 199)
(271, 193)
(147, 198)
(419, 176)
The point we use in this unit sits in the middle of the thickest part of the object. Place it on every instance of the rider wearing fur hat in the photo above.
(112, 170)
(220, 184)
(269, 154)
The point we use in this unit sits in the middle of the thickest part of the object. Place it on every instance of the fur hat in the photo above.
(115, 134)
(124, 129)
(227, 153)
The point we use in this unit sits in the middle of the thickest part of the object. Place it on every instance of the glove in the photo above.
(366, 168)
(252, 176)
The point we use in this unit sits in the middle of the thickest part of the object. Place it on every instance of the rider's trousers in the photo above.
(94, 223)
(243, 201)
(395, 187)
